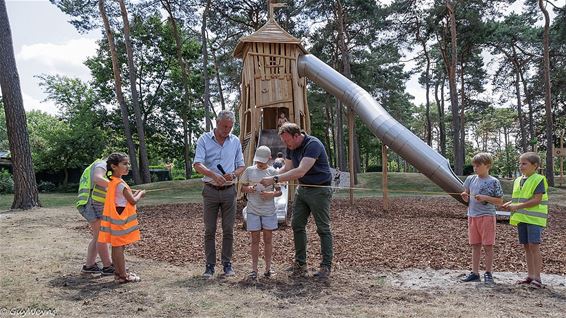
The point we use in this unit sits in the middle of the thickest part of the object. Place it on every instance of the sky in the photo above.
(50, 45)
(45, 43)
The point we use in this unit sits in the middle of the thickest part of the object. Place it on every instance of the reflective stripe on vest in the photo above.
(543, 202)
(120, 222)
(119, 232)
(89, 190)
(118, 229)
(98, 193)
(536, 215)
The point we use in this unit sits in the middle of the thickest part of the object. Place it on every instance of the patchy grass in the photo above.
(189, 191)
(48, 200)
(417, 184)
(180, 191)
(43, 250)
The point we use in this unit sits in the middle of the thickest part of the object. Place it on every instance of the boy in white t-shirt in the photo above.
(261, 213)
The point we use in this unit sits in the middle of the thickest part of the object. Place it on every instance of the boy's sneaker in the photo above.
(471, 277)
(209, 271)
(323, 272)
(488, 278)
(94, 269)
(108, 270)
(228, 270)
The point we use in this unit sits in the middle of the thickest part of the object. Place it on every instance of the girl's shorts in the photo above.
(529, 233)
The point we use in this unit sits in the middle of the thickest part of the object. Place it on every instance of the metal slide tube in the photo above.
(386, 128)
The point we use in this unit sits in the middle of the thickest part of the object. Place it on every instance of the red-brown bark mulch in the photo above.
(413, 233)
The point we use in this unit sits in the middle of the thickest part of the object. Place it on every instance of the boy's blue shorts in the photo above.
(91, 211)
(529, 233)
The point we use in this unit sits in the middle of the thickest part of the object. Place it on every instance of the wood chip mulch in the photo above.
(413, 232)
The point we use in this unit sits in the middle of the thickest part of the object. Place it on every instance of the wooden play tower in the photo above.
(270, 86)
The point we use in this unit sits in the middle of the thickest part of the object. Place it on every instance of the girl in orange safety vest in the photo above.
(119, 225)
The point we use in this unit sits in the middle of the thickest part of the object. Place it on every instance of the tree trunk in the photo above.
(529, 99)
(327, 134)
(442, 118)
(440, 109)
(186, 149)
(462, 108)
(66, 177)
(217, 70)
(332, 119)
(144, 162)
(347, 72)
(340, 153)
(507, 155)
(118, 87)
(547, 96)
(456, 142)
(428, 128)
(205, 67)
(522, 129)
(186, 109)
(26, 195)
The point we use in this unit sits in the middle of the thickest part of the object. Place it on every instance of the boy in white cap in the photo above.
(261, 213)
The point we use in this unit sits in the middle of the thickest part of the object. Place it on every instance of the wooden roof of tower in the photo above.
(271, 32)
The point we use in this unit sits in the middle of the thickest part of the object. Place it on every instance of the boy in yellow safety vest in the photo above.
(529, 213)
(90, 203)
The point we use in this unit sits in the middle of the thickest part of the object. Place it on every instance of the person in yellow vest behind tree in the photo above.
(119, 225)
(529, 213)
(92, 193)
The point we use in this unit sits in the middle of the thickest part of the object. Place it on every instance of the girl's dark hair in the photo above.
(114, 159)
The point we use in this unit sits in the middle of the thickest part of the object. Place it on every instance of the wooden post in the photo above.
(351, 153)
(384, 176)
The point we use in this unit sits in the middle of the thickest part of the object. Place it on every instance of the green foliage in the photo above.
(77, 135)
(376, 38)
(68, 188)
(6, 182)
(154, 178)
(178, 174)
(46, 186)
(162, 100)
(4, 144)
(374, 168)
(83, 13)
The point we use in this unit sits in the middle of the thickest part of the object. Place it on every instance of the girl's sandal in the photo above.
(129, 278)
(525, 281)
(536, 284)
(253, 276)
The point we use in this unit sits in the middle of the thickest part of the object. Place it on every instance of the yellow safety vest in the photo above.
(89, 189)
(536, 215)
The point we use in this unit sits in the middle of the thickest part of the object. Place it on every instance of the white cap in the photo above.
(262, 154)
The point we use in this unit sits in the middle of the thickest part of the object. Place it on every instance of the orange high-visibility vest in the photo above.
(118, 229)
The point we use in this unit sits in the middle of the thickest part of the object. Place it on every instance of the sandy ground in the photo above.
(42, 251)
